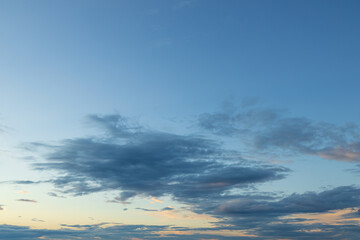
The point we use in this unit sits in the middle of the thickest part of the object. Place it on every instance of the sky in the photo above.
(179, 119)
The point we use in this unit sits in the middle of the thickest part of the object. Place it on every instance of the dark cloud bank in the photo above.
(99, 231)
(149, 163)
(197, 171)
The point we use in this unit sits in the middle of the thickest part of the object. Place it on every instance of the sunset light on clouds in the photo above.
(179, 119)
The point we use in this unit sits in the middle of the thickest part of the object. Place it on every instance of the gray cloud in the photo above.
(147, 210)
(123, 232)
(199, 172)
(87, 226)
(264, 218)
(309, 202)
(23, 182)
(288, 229)
(52, 194)
(26, 200)
(128, 232)
(167, 209)
(125, 195)
(309, 232)
(156, 210)
(273, 130)
(355, 170)
(143, 162)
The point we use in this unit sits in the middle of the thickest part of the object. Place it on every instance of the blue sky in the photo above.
(154, 119)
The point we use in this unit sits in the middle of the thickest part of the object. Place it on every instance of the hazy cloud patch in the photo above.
(147, 232)
(37, 220)
(52, 194)
(272, 130)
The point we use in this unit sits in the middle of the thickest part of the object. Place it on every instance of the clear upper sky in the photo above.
(143, 119)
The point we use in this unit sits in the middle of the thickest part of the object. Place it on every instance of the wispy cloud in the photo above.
(272, 130)
(52, 194)
(37, 220)
(147, 210)
(23, 182)
(26, 200)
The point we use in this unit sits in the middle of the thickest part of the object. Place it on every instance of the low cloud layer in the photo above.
(147, 232)
(124, 232)
(273, 218)
(309, 202)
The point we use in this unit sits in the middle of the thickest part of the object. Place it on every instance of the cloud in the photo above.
(142, 162)
(23, 182)
(156, 210)
(167, 209)
(272, 130)
(126, 195)
(26, 200)
(350, 153)
(146, 232)
(353, 214)
(288, 217)
(120, 232)
(198, 171)
(309, 202)
(98, 231)
(37, 220)
(309, 232)
(52, 194)
(147, 210)
(355, 170)
(87, 226)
